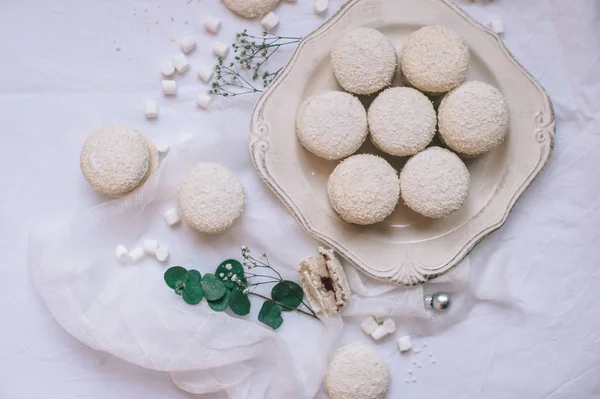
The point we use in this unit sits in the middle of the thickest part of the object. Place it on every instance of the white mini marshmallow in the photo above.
(137, 254)
(369, 325)
(497, 26)
(188, 43)
(181, 62)
(270, 21)
(205, 73)
(321, 6)
(169, 87)
(162, 253)
(220, 49)
(150, 246)
(167, 69)
(404, 343)
(380, 318)
(161, 146)
(151, 109)
(389, 325)
(212, 24)
(122, 253)
(379, 333)
(184, 138)
(172, 216)
(203, 100)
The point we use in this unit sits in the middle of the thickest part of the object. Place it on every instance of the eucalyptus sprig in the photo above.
(231, 285)
(251, 53)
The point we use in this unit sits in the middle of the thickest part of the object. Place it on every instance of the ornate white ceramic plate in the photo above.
(406, 248)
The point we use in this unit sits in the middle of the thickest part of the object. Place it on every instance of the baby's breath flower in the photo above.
(252, 52)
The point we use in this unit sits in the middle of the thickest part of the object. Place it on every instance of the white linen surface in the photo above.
(534, 330)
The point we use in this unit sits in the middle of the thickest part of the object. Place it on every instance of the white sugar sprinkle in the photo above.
(332, 124)
(364, 61)
(474, 118)
(443, 51)
(363, 189)
(402, 121)
(434, 183)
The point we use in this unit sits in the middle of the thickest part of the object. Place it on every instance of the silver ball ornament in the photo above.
(439, 301)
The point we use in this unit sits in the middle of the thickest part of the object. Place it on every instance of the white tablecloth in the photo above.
(68, 67)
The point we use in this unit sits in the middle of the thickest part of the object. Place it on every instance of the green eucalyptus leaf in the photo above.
(270, 314)
(214, 288)
(193, 293)
(179, 290)
(239, 302)
(288, 293)
(229, 268)
(221, 304)
(173, 274)
(193, 275)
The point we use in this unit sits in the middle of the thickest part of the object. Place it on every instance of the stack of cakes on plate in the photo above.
(473, 118)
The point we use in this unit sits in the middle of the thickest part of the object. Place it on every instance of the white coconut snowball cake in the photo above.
(402, 121)
(434, 59)
(251, 8)
(115, 159)
(211, 198)
(363, 189)
(364, 61)
(474, 118)
(332, 125)
(434, 182)
(357, 371)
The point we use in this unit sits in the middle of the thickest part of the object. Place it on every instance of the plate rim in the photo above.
(546, 131)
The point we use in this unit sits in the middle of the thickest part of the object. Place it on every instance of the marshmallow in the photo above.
(321, 6)
(169, 87)
(203, 100)
(404, 343)
(181, 62)
(167, 69)
(270, 21)
(389, 325)
(212, 24)
(205, 73)
(497, 26)
(220, 49)
(150, 246)
(188, 43)
(161, 146)
(183, 138)
(137, 254)
(379, 333)
(380, 318)
(162, 253)
(369, 325)
(122, 253)
(151, 109)
(172, 216)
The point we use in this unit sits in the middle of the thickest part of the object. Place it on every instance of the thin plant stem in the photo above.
(283, 305)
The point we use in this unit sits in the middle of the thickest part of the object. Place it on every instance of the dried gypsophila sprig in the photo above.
(251, 263)
(252, 52)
